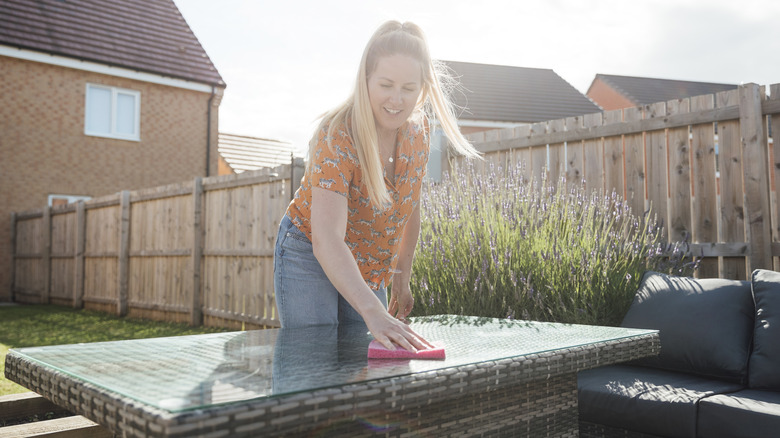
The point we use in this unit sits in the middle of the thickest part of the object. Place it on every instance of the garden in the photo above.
(499, 245)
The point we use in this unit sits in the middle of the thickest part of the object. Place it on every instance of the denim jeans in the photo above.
(304, 294)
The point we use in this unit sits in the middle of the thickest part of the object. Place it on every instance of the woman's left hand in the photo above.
(401, 301)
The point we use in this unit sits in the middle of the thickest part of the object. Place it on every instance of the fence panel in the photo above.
(240, 226)
(160, 268)
(704, 202)
(28, 259)
(732, 195)
(593, 152)
(614, 156)
(521, 155)
(575, 158)
(556, 152)
(634, 160)
(63, 250)
(679, 150)
(101, 255)
(657, 159)
(755, 159)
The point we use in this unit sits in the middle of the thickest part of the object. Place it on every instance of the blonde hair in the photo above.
(355, 113)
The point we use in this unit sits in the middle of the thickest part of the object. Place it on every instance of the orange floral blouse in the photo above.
(372, 235)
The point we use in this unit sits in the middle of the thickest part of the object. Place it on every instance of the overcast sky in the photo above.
(287, 62)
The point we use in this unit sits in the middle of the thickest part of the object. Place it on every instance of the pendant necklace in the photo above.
(395, 145)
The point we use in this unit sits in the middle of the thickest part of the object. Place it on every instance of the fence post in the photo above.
(756, 184)
(774, 118)
(46, 292)
(297, 169)
(78, 262)
(196, 313)
(124, 253)
(292, 176)
(13, 257)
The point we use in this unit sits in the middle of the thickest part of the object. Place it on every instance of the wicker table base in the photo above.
(531, 395)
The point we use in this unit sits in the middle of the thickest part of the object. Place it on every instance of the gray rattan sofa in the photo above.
(718, 373)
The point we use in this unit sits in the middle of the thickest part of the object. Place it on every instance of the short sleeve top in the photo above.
(373, 235)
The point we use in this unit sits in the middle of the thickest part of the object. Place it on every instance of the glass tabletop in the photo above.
(190, 372)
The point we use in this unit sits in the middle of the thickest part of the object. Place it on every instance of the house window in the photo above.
(56, 200)
(438, 142)
(112, 112)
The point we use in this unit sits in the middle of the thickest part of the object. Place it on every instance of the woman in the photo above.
(352, 227)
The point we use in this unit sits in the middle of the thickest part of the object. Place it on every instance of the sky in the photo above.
(287, 62)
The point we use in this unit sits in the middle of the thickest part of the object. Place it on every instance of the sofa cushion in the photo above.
(646, 400)
(705, 325)
(764, 372)
(744, 414)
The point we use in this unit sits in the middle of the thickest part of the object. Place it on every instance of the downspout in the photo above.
(208, 129)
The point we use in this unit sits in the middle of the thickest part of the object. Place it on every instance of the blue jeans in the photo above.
(304, 295)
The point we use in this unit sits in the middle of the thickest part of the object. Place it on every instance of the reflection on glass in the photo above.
(189, 372)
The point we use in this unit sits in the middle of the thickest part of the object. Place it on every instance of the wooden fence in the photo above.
(198, 252)
(202, 251)
(704, 165)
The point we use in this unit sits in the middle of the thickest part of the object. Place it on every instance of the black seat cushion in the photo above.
(705, 325)
(745, 414)
(765, 359)
(646, 400)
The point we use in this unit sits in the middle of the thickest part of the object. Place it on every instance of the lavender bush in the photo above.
(495, 245)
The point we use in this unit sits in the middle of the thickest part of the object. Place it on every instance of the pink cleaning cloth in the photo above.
(378, 351)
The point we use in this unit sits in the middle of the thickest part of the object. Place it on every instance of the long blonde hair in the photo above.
(355, 113)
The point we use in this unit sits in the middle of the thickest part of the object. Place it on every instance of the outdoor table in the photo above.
(500, 378)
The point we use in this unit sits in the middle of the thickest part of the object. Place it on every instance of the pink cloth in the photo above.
(378, 351)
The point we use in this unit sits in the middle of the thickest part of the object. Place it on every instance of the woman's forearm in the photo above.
(408, 246)
(328, 226)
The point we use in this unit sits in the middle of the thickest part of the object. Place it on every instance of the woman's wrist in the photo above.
(368, 304)
(401, 276)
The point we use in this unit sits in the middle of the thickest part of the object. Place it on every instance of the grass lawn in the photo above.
(38, 325)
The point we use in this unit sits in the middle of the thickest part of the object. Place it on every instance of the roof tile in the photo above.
(143, 35)
(515, 94)
(251, 153)
(644, 91)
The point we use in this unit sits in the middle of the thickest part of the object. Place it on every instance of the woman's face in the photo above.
(393, 89)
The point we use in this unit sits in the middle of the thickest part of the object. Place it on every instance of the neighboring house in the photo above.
(613, 92)
(99, 96)
(239, 153)
(498, 96)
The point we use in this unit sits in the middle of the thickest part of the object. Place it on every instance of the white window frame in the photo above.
(115, 91)
(70, 198)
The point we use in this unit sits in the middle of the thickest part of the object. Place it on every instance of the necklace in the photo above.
(392, 152)
(393, 148)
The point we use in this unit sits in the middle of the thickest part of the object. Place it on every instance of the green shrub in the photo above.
(494, 245)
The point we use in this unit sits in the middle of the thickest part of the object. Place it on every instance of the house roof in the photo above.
(250, 153)
(515, 94)
(144, 35)
(644, 91)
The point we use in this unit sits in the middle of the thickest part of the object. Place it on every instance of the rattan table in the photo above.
(500, 378)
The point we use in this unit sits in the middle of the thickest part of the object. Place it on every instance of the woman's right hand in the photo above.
(390, 331)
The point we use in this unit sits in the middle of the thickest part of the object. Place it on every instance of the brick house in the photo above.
(613, 92)
(99, 96)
